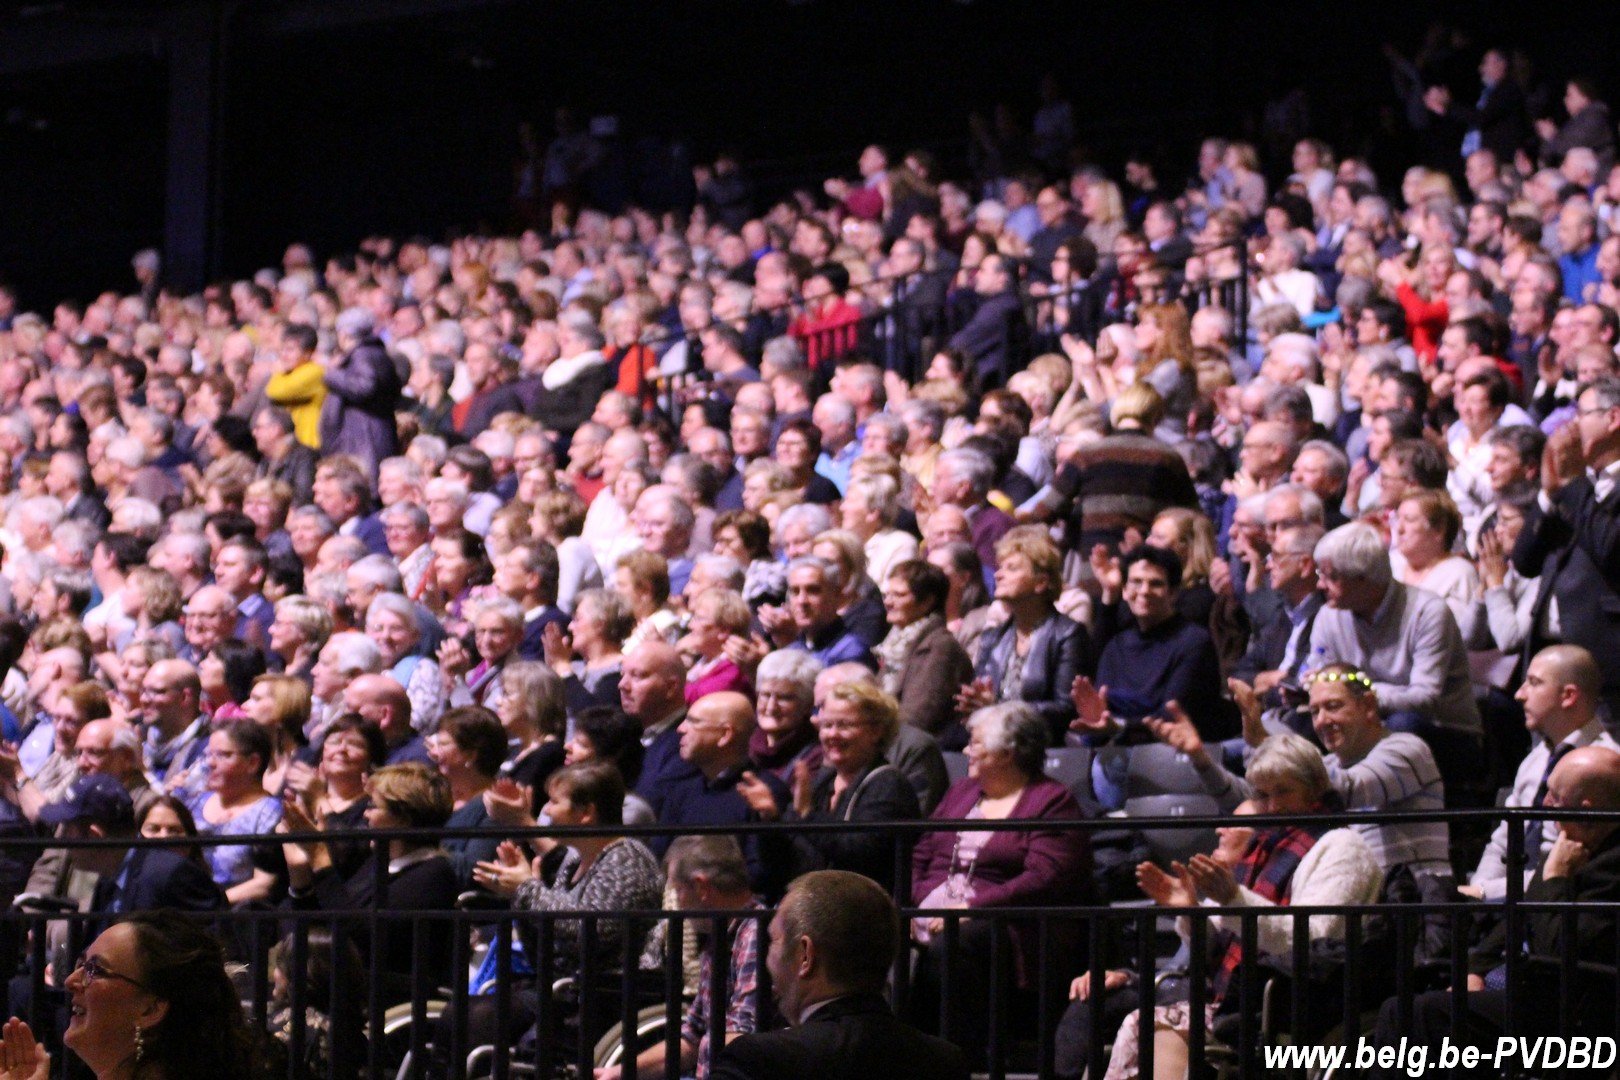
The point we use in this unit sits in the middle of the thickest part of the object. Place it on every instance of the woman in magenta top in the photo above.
(1006, 752)
(717, 614)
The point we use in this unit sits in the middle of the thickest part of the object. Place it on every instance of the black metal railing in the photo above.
(573, 993)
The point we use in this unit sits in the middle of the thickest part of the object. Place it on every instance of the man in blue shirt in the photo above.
(811, 621)
(1577, 239)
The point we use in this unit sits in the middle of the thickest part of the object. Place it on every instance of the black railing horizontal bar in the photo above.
(895, 828)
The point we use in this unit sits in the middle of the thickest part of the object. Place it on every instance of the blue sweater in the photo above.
(1175, 661)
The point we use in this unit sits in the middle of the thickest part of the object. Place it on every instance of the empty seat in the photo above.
(1174, 845)
(1071, 767)
(1157, 769)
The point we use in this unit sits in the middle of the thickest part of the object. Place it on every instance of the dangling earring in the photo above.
(140, 1043)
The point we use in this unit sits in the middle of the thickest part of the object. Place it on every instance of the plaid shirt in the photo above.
(743, 1004)
(1267, 868)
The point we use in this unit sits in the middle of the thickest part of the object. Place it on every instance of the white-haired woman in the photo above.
(1309, 863)
(870, 508)
(393, 625)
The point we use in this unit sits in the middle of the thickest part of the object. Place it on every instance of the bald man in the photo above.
(1582, 865)
(171, 709)
(714, 742)
(652, 688)
(383, 701)
(1560, 694)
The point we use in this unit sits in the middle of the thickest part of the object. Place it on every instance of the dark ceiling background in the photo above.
(408, 123)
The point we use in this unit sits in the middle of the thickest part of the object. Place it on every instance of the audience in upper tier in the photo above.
(1295, 484)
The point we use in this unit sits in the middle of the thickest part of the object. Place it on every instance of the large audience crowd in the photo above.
(875, 503)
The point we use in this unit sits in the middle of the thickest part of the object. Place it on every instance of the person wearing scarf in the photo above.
(1306, 862)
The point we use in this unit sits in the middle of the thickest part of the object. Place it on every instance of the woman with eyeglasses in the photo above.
(235, 803)
(150, 997)
(856, 782)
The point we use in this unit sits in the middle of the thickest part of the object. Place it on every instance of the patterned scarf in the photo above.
(894, 650)
(1267, 869)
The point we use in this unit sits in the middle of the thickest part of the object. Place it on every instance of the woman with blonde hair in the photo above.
(152, 598)
(1427, 524)
(1104, 209)
(642, 578)
(281, 705)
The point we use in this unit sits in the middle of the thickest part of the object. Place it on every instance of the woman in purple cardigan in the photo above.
(971, 869)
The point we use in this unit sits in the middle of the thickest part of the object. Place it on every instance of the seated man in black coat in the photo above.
(833, 941)
(1583, 865)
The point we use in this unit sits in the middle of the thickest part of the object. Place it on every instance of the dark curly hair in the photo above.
(203, 1035)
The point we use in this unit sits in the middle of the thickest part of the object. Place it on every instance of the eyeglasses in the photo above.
(95, 971)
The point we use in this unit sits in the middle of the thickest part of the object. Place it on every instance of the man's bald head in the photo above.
(109, 747)
(1572, 665)
(382, 700)
(652, 682)
(1588, 777)
(732, 709)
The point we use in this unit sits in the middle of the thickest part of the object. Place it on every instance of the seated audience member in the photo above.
(418, 877)
(1279, 649)
(134, 878)
(235, 803)
(1037, 653)
(718, 615)
(171, 712)
(1561, 694)
(912, 750)
(855, 783)
(344, 660)
(1582, 865)
(861, 604)
(833, 942)
(920, 663)
(1407, 643)
(333, 793)
(280, 705)
(1370, 766)
(653, 691)
(393, 625)
(468, 749)
(786, 703)
(1427, 525)
(604, 733)
(534, 715)
(709, 873)
(642, 579)
(714, 740)
(985, 869)
(589, 658)
(810, 621)
(870, 509)
(1296, 864)
(298, 634)
(594, 872)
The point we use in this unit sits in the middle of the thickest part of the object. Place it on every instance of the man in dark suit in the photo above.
(1583, 865)
(996, 333)
(1496, 120)
(832, 943)
(68, 478)
(652, 688)
(1571, 538)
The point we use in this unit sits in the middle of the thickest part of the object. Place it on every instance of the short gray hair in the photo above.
(379, 571)
(974, 466)
(355, 653)
(1337, 464)
(1016, 727)
(396, 604)
(1356, 551)
(1290, 758)
(793, 666)
(355, 322)
(830, 572)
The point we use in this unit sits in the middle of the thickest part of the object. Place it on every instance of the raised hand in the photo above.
(1108, 573)
(759, 797)
(1248, 703)
(1561, 460)
(1212, 879)
(1176, 730)
(507, 802)
(1165, 890)
(974, 696)
(20, 1056)
(746, 652)
(559, 650)
(1492, 560)
(508, 870)
(1091, 707)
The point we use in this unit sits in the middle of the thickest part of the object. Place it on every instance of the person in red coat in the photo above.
(987, 869)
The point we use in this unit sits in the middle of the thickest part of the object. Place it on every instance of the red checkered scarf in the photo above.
(1267, 868)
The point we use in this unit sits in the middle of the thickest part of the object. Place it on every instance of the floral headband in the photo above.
(1355, 678)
